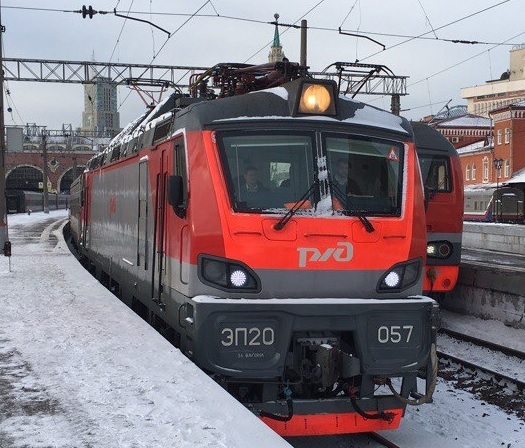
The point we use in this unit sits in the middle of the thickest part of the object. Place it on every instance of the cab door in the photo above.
(159, 231)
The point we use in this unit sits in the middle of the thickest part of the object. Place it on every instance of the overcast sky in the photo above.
(437, 69)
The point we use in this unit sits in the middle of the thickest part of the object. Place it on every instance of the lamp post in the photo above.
(497, 164)
(5, 245)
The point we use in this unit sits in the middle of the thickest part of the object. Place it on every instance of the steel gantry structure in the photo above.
(359, 78)
(86, 72)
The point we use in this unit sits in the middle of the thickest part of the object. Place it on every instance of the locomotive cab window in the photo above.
(436, 173)
(365, 175)
(267, 171)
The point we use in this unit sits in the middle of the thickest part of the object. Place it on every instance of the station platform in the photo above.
(79, 369)
(490, 286)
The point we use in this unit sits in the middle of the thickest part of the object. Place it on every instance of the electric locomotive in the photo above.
(443, 183)
(224, 221)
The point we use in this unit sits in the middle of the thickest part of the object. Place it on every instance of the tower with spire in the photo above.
(276, 51)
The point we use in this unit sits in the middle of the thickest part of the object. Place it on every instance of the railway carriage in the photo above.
(19, 201)
(304, 303)
(503, 204)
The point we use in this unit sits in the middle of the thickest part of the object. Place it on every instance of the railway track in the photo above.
(382, 440)
(499, 377)
(483, 343)
(491, 384)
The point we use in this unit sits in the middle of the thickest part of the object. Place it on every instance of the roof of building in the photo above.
(276, 41)
(466, 121)
(517, 178)
(451, 112)
(520, 103)
(479, 146)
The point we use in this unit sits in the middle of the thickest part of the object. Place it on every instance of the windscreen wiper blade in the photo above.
(284, 220)
(359, 214)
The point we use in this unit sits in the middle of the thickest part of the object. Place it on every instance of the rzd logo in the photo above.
(344, 252)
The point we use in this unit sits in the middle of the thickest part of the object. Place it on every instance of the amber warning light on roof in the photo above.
(317, 99)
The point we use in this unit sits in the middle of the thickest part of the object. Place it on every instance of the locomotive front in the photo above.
(300, 277)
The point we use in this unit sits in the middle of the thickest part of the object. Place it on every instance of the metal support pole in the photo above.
(395, 104)
(497, 199)
(3, 208)
(44, 172)
(302, 59)
(74, 167)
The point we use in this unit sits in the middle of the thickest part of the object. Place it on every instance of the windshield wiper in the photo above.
(297, 205)
(359, 214)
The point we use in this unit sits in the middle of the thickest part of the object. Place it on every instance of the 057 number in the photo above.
(394, 334)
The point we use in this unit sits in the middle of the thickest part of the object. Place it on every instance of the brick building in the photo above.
(464, 130)
(506, 149)
(66, 158)
(509, 138)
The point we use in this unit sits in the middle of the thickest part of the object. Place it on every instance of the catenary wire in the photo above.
(164, 44)
(120, 34)
(265, 22)
(287, 29)
(428, 19)
(349, 12)
(440, 28)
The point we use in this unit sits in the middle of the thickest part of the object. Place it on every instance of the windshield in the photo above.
(435, 171)
(365, 174)
(272, 171)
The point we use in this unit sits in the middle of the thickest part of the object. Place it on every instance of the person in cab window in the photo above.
(343, 186)
(251, 186)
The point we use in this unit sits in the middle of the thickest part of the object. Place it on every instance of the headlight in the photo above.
(227, 275)
(439, 249)
(400, 276)
(313, 97)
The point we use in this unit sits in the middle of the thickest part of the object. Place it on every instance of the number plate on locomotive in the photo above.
(394, 333)
(248, 345)
(259, 335)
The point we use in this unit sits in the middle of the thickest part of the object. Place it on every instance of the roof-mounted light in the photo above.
(314, 97)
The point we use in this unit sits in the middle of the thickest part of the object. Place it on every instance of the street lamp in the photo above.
(497, 164)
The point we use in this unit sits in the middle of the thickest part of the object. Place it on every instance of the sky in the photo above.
(79, 368)
(235, 31)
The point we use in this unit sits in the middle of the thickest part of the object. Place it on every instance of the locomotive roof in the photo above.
(277, 104)
(273, 107)
(428, 139)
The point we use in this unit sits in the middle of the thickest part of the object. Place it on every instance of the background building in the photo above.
(509, 138)
(508, 89)
(499, 151)
(100, 114)
(66, 152)
(464, 130)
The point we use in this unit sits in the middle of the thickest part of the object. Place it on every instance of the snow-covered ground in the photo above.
(79, 369)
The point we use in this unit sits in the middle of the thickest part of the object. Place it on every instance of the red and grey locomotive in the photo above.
(443, 183)
(277, 235)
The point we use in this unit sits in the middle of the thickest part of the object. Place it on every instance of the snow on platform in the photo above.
(80, 369)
